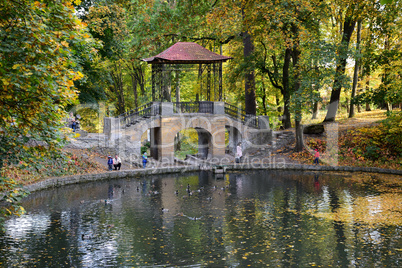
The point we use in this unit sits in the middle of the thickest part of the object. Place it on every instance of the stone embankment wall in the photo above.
(61, 181)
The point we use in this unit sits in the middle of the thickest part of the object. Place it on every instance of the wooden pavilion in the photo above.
(185, 56)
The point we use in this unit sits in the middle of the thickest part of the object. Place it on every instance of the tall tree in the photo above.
(107, 22)
(249, 77)
(349, 23)
(37, 71)
(356, 69)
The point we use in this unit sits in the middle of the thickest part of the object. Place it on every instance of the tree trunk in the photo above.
(356, 71)
(286, 90)
(134, 84)
(298, 116)
(299, 135)
(118, 87)
(264, 97)
(141, 79)
(178, 141)
(137, 78)
(315, 110)
(249, 79)
(348, 27)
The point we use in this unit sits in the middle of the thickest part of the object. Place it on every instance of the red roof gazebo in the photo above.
(184, 54)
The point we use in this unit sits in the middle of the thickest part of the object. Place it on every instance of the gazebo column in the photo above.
(220, 82)
(153, 81)
(208, 82)
(200, 79)
(178, 83)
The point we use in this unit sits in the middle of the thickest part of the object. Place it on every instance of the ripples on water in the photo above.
(251, 219)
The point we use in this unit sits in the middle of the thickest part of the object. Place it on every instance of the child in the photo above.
(110, 162)
(144, 159)
(316, 156)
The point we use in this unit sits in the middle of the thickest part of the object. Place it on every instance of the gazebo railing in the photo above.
(206, 107)
(240, 114)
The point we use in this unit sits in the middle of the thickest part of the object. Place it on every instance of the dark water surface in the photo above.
(252, 219)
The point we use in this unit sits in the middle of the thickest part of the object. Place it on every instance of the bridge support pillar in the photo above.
(218, 138)
(204, 143)
(168, 131)
(234, 138)
(155, 140)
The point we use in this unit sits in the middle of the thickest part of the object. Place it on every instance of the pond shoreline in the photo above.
(83, 178)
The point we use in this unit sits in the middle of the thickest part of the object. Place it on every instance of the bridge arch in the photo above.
(203, 142)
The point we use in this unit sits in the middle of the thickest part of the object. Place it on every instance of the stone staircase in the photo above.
(279, 140)
(135, 122)
(282, 138)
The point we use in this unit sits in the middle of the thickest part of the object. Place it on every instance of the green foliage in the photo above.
(188, 143)
(145, 147)
(380, 143)
(372, 152)
(90, 119)
(392, 131)
(12, 193)
(37, 71)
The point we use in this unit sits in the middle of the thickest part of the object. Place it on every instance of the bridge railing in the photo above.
(154, 108)
(240, 114)
(193, 107)
(146, 110)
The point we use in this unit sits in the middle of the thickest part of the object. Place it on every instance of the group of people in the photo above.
(114, 162)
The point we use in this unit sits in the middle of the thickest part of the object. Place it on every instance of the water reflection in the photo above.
(242, 219)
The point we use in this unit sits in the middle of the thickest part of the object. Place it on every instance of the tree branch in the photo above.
(266, 70)
(227, 40)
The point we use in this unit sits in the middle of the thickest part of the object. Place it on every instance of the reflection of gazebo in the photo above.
(184, 56)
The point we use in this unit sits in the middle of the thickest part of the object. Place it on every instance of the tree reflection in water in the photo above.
(273, 218)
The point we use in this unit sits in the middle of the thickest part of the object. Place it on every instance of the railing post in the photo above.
(166, 108)
(219, 107)
(263, 122)
(111, 129)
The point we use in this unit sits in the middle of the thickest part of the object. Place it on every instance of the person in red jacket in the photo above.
(316, 156)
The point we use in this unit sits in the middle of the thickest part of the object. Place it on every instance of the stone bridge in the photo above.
(161, 121)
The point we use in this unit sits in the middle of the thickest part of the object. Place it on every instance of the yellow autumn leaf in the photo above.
(5, 81)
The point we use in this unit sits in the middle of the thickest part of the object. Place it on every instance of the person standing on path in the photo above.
(117, 162)
(239, 153)
(110, 162)
(144, 160)
(316, 156)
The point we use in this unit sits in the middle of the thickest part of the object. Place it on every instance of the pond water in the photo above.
(252, 219)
